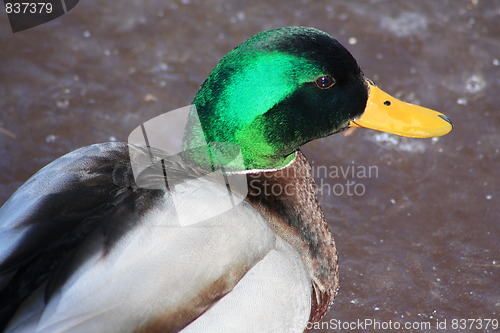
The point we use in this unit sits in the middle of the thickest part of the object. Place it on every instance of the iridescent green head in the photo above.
(275, 92)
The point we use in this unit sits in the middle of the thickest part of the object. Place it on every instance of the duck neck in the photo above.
(214, 139)
(234, 149)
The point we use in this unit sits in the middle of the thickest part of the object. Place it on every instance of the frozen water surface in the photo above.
(405, 23)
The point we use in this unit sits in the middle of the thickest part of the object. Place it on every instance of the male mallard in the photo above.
(83, 248)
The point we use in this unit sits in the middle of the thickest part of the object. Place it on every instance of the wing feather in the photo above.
(87, 250)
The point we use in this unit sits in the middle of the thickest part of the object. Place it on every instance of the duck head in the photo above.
(285, 87)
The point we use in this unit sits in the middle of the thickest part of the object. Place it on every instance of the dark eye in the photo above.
(325, 82)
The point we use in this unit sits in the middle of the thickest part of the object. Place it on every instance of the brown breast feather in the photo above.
(287, 198)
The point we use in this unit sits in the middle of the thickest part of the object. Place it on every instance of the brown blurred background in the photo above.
(421, 244)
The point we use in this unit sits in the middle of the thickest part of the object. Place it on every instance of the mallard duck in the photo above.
(87, 245)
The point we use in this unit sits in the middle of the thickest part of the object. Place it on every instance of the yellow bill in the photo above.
(388, 114)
